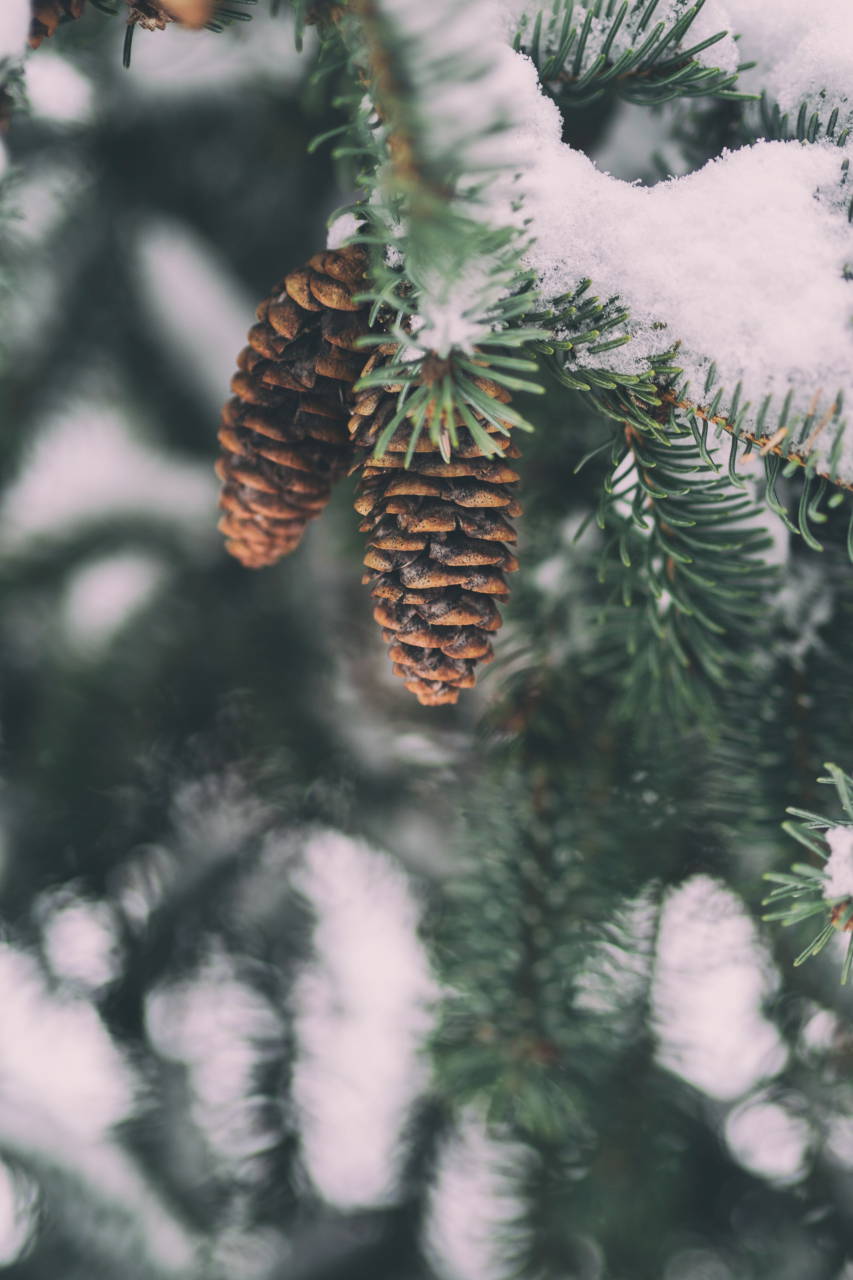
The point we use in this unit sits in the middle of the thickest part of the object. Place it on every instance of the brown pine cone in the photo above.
(47, 15)
(437, 545)
(284, 433)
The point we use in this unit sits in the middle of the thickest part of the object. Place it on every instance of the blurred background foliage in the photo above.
(300, 979)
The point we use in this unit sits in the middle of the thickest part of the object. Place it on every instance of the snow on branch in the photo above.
(648, 51)
(447, 91)
(802, 51)
(734, 280)
(744, 265)
(839, 865)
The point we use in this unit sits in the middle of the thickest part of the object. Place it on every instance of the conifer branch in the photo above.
(786, 450)
(503, 1034)
(586, 50)
(684, 550)
(652, 403)
(515, 1031)
(447, 285)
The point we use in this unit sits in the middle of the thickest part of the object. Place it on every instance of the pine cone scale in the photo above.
(283, 315)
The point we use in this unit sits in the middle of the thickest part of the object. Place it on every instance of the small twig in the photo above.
(766, 444)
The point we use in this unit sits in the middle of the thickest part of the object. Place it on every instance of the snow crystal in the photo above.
(197, 306)
(839, 866)
(459, 296)
(14, 27)
(58, 487)
(64, 1087)
(459, 118)
(180, 63)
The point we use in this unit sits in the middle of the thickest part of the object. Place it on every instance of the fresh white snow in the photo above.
(803, 50)
(57, 1060)
(361, 1016)
(839, 866)
(472, 1200)
(14, 27)
(713, 978)
(741, 263)
(60, 487)
(769, 1138)
(104, 594)
(223, 1031)
(58, 90)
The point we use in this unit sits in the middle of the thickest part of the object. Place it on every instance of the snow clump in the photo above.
(839, 867)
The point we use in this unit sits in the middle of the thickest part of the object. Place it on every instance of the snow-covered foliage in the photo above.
(792, 51)
(362, 1013)
(742, 267)
(742, 264)
(637, 26)
(58, 1065)
(222, 1031)
(455, 135)
(65, 1088)
(712, 978)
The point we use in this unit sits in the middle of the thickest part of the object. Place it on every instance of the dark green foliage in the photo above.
(685, 552)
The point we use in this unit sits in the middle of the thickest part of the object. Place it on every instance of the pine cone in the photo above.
(437, 554)
(47, 15)
(284, 434)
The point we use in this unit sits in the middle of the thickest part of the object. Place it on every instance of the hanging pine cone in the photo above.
(284, 434)
(437, 545)
(47, 15)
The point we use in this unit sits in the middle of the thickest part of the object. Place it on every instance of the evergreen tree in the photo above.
(498, 969)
